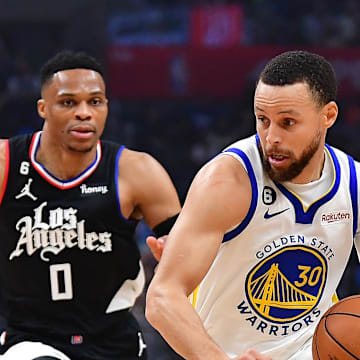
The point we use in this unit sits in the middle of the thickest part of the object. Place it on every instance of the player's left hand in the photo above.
(156, 245)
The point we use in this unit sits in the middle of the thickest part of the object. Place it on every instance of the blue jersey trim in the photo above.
(307, 216)
(231, 234)
(257, 137)
(117, 183)
(353, 193)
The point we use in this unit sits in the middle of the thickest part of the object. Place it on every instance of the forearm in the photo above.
(177, 321)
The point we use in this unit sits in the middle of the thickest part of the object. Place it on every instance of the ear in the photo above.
(41, 108)
(330, 113)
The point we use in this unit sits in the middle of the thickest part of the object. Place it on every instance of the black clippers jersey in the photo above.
(68, 256)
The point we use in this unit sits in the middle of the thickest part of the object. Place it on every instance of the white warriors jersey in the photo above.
(276, 272)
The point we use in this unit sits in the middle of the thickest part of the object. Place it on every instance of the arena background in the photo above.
(180, 75)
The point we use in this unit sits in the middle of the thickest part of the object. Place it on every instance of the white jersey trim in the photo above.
(126, 296)
(61, 184)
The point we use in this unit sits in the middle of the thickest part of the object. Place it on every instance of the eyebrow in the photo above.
(258, 108)
(64, 93)
(290, 111)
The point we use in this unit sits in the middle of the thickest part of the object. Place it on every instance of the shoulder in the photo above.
(4, 149)
(224, 168)
(224, 176)
(220, 194)
(3, 145)
(4, 155)
(142, 171)
(137, 162)
(228, 165)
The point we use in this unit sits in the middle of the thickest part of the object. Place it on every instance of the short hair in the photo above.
(301, 66)
(67, 60)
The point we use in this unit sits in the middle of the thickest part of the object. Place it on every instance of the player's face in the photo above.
(292, 129)
(75, 108)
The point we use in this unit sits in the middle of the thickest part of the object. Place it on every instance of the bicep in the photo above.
(158, 198)
(149, 191)
(188, 253)
(213, 205)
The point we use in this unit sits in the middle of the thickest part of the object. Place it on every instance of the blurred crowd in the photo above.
(181, 133)
(281, 22)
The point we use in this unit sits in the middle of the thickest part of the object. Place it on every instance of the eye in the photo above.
(96, 101)
(67, 102)
(289, 122)
(262, 119)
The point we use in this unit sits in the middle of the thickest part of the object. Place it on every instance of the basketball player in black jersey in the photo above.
(69, 267)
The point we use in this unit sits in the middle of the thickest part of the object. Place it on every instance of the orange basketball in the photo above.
(337, 335)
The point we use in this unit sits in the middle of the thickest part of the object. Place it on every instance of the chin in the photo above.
(84, 148)
(284, 174)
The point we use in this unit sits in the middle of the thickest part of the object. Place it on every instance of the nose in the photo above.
(273, 135)
(83, 111)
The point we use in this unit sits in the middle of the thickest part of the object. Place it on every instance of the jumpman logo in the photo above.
(25, 191)
(142, 345)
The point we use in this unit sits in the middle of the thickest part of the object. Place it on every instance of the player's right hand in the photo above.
(252, 354)
(156, 245)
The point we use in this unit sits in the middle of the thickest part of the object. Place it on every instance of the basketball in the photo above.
(337, 334)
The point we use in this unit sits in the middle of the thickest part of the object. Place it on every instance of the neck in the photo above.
(60, 161)
(313, 169)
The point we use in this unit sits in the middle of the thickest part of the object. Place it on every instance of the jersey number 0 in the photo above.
(61, 282)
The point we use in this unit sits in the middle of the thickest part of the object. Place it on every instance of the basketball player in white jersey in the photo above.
(266, 229)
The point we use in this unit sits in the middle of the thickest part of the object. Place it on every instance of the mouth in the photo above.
(276, 159)
(82, 131)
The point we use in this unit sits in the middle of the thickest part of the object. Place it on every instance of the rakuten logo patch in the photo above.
(335, 217)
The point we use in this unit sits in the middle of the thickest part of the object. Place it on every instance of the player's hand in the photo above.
(252, 355)
(156, 245)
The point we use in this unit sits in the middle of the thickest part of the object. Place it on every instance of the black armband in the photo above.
(164, 227)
